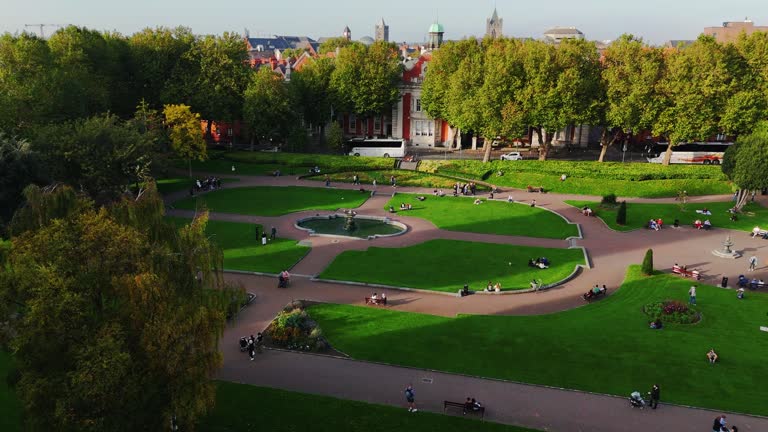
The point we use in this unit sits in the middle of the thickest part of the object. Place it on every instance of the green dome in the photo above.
(436, 28)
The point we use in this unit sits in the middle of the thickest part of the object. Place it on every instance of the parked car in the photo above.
(512, 156)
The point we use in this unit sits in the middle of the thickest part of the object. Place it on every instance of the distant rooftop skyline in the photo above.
(656, 21)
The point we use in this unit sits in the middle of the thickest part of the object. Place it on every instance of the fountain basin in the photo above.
(367, 227)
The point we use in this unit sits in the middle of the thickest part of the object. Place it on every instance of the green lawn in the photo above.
(603, 347)
(170, 185)
(638, 215)
(242, 408)
(591, 178)
(404, 178)
(490, 217)
(243, 250)
(275, 201)
(446, 265)
(10, 407)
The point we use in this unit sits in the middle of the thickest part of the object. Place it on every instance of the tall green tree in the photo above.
(693, 93)
(366, 77)
(117, 331)
(746, 163)
(185, 134)
(211, 78)
(631, 72)
(437, 81)
(330, 45)
(156, 53)
(465, 91)
(20, 166)
(101, 155)
(267, 110)
(747, 65)
(311, 92)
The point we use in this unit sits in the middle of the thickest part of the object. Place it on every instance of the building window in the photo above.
(377, 124)
(431, 128)
(352, 123)
(418, 125)
(229, 132)
(418, 105)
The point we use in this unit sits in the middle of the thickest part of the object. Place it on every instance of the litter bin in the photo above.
(724, 282)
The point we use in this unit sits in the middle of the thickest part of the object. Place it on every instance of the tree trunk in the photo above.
(545, 142)
(253, 141)
(667, 154)
(458, 138)
(487, 147)
(208, 128)
(742, 196)
(474, 142)
(454, 131)
(604, 144)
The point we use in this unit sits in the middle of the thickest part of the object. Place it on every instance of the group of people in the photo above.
(493, 287)
(438, 193)
(656, 224)
(541, 262)
(206, 184)
(378, 299)
(745, 282)
(586, 211)
(719, 425)
(403, 206)
(464, 188)
(283, 278)
(471, 404)
(252, 344)
(706, 225)
(594, 292)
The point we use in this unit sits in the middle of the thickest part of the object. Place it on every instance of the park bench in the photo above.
(460, 405)
(682, 271)
(532, 189)
(377, 302)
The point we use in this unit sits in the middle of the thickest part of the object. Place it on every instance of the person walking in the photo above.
(719, 424)
(393, 181)
(251, 347)
(374, 184)
(355, 180)
(692, 295)
(410, 397)
(752, 263)
(655, 395)
(259, 342)
(273, 233)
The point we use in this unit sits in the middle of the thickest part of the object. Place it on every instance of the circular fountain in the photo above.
(351, 225)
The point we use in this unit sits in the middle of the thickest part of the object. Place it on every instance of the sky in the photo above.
(657, 21)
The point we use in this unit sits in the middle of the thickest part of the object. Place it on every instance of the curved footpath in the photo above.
(543, 408)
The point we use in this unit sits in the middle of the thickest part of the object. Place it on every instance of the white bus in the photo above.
(707, 153)
(377, 147)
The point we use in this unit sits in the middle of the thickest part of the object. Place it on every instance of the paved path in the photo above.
(549, 409)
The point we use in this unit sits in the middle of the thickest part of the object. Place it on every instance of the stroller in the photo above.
(636, 400)
(243, 344)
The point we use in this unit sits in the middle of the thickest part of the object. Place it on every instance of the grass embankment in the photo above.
(490, 217)
(241, 407)
(591, 178)
(446, 265)
(603, 347)
(274, 201)
(241, 244)
(170, 185)
(638, 214)
(264, 163)
(10, 407)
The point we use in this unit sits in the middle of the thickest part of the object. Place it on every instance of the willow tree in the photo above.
(746, 163)
(117, 328)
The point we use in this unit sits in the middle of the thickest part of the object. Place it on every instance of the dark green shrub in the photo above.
(647, 267)
(621, 215)
(609, 200)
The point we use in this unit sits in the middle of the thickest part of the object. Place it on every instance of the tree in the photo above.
(102, 155)
(330, 45)
(184, 132)
(631, 72)
(647, 267)
(437, 81)
(116, 331)
(693, 93)
(465, 90)
(366, 77)
(19, 166)
(621, 215)
(747, 163)
(156, 53)
(335, 137)
(311, 93)
(211, 78)
(267, 109)
(748, 87)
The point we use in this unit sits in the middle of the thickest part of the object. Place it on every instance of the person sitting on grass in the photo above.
(656, 325)
(712, 356)
(534, 285)
(756, 231)
(532, 263)
(391, 209)
(497, 287)
(402, 206)
(698, 224)
(660, 223)
(542, 262)
(707, 224)
(421, 198)
(440, 193)
(478, 201)
(653, 225)
(740, 293)
(733, 217)
(408, 206)
(489, 287)
(510, 199)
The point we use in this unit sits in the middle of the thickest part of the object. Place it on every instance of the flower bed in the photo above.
(293, 329)
(672, 311)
